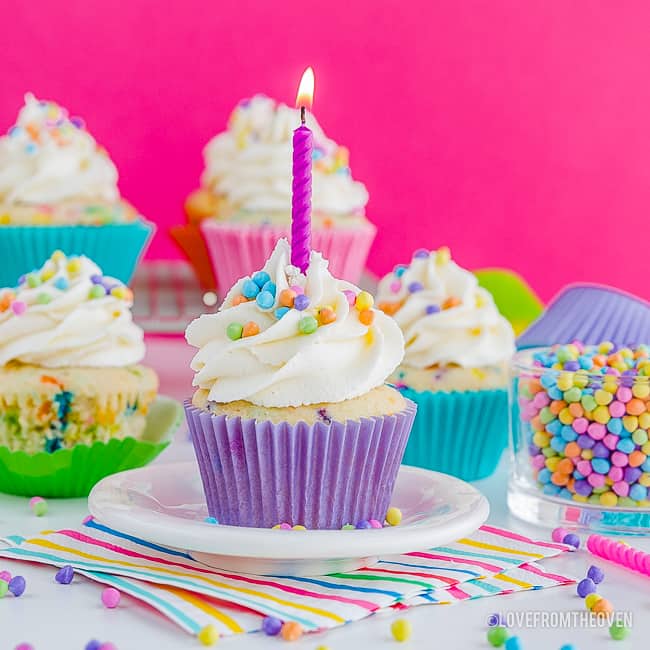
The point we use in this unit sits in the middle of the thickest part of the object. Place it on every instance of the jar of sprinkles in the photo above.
(580, 436)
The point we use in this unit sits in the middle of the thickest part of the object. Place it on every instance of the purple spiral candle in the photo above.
(303, 143)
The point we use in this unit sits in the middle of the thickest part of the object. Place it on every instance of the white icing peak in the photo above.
(303, 339)
(445, 316)
(67, 314)
(250, 163)
(49, 157)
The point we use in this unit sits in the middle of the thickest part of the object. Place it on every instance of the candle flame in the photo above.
(306, 90)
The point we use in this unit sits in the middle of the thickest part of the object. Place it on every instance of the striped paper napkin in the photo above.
(490, 562)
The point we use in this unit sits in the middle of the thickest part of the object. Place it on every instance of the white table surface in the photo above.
(55, 617)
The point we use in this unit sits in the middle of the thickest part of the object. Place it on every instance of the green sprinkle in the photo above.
(497, 636)
(348, 527)
(43, 298)
(572, 395)
(308, 325)
(4, 588)
(40, 508)
(33, 281)
(618, 631)
(97, 291)
(234, 331)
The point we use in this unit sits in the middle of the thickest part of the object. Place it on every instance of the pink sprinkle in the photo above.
(24, 646)
(18, 307)
(596, 430)
(619, 459)
(395, 286)
(615, 473)
(285, 526)
(374, 523)
(34, 500)
(541, 399)
(621, 488)
(596, 480)
(111, 597)
(580, 425)
(107, 646)
(5, 575)
(623, 394)
(351, 296)
(584, 467)
(297, 289)
(559, 534)
(617, 409)
(539, 461)
(610, 441)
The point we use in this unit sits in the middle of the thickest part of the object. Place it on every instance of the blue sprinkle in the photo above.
(421, 253)
(280, 312)
(211, 520)
(626, 445)
(265, 300)
(30, 147)
(432, 309)
(414, 287)
(261, 278)
(250, 289)
(399, 270)
(270, 287)
(61, 284)
(615, 426)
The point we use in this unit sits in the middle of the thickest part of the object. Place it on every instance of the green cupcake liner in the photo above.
(460, 433)
(73, 472)
(115, 248)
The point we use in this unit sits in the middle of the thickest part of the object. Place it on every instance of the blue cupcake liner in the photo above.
(115, 248)
(460, 433)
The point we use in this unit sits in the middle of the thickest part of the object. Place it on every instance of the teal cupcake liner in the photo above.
(115, 248)
(70, 473)
(460, 433)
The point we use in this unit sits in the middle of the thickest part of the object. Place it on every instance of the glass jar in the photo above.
(580, 446)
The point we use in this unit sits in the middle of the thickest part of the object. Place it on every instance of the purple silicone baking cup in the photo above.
(260, 474)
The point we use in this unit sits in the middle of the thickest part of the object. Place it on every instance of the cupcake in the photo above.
(244, 203)
(292, 421)
(455, 364)
(58, 190)
(69, 370)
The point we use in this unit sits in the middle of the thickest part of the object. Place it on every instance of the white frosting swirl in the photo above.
(280, 366)
(464, 328)
(250, 163)
(52, 320)
(47, 157)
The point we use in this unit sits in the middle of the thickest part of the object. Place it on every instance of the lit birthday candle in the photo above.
(303, 144)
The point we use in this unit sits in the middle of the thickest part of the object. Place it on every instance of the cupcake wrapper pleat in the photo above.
(460, 433)
(260, 474)
(115, 248)
(237, 251)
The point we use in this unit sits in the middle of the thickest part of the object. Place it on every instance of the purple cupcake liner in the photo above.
(259, 474)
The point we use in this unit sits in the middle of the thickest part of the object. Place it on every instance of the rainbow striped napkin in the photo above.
(492, 561)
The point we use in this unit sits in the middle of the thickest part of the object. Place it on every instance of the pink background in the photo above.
(516, 132)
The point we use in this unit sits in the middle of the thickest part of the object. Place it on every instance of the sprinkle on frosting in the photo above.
(67, 313)
(445, 316)
(314, 339)
(48, 157)
(250, 163)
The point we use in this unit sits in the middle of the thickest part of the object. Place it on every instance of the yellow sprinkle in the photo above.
(401, 630)
(443, 255)
(565, 381)
(58, 256)
(364, 301)
(5, 219)
(480, 300)
(394, 516)
(591, 600)
(41, 218)
(119, 292)
(479, 373)
(208, 635)
(299, 527)
(73, 266)
(369, 337)
(475, 331)
(47, 274)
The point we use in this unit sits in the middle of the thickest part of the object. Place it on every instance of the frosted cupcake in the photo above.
(69, 368)
(246, 190)
(455, 365)
(292, 420)
(58, 190)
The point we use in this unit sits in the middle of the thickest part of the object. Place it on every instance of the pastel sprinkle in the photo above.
(18, 307)
(43, 298)
(211, 520)
(281, 311)
(394, 516)
(350, 296)
(33, 281)
(363, 524)
(364, 301)
(250, 329)
(261, 278)
(414, 287)
(111, 597)
(61, 284)
(64, 575)
(401, 629)
(39, 508)
(432, 309)
(497, 636)
(208, 635)
(234, 331)
(291, 631)
(286, 298)
(307, 325)
(271, 626)
(265, 300)
(301, 302)
(250, 289)
(17, 586)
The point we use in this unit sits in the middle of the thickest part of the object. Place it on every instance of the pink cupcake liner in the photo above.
(260, 474)
(237, 251)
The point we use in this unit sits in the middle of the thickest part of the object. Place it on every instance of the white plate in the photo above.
(165, 504)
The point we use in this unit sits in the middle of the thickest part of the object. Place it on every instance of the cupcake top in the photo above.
(282, 338)
(445, 316)
(250, 163)
(48, 157)
(68, 314)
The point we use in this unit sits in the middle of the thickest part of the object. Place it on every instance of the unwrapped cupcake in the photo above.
(292, 421)
(455, 366)
(58, 190)
(245, 197)
(71, 382)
